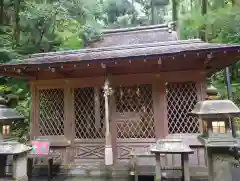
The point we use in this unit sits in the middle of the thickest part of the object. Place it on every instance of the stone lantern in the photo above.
(7, 117)
(10, 147)
(217, 138)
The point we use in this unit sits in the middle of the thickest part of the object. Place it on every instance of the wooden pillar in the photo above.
(69, 126)
(160, 108)
(108, 144)
(113, 125)
(201, 90)
(201, 95)
(33, 127)
(36, 113)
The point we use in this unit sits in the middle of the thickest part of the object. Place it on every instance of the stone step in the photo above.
(83, 171)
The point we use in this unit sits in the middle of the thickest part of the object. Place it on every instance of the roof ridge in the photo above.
(150, 27)
(122, 47)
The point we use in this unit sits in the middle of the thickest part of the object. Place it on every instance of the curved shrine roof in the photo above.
(163, 49)
(140, 43)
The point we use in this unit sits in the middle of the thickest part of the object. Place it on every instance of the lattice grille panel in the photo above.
(89, 113)
(181, 99)
(51, 111)
(138, 100)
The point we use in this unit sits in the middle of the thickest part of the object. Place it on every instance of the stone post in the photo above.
(185, 166)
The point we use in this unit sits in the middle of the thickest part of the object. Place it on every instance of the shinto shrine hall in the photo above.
(121, 94)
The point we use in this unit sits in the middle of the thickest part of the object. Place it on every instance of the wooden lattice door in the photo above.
(132, 119)
(89, 123)
(181, 99)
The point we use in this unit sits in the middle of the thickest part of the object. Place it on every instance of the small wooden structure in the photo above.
(122, 93)
(40, 151)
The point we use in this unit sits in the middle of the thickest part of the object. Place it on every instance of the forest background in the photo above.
(34, 26)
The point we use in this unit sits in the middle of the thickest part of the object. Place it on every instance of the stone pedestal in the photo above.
(185, 167)
(222, 166)
(3, 159)
(20, 167)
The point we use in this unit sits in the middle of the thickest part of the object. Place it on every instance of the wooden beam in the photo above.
(175, 76)
(127, 79)
(72, 82)
(18, 75)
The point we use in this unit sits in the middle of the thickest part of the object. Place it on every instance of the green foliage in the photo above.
(115, 9)
(222, 24)
(44, 26)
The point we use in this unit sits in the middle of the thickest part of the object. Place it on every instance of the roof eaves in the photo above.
(75, 58)
(138, 28)
(121, 47)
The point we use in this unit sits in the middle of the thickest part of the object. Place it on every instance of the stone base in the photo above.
(108, 155)
(222, 167)
(8, 178)
(20, 167)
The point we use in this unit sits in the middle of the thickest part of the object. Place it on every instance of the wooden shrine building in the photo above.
(120, 94)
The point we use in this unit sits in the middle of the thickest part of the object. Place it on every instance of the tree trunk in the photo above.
(16, 23)
(175, 12)
(153, 14)
(204, 7)
(203, 33)
(235, 2)
(1, 11)
(133, 14)
(218, 3)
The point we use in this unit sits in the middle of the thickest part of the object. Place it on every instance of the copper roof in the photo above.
(137, 35)
(163, 49)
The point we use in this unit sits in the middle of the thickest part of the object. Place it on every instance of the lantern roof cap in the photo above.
(212, 90)
(13, 147)
(8, 114)
(218, 108)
